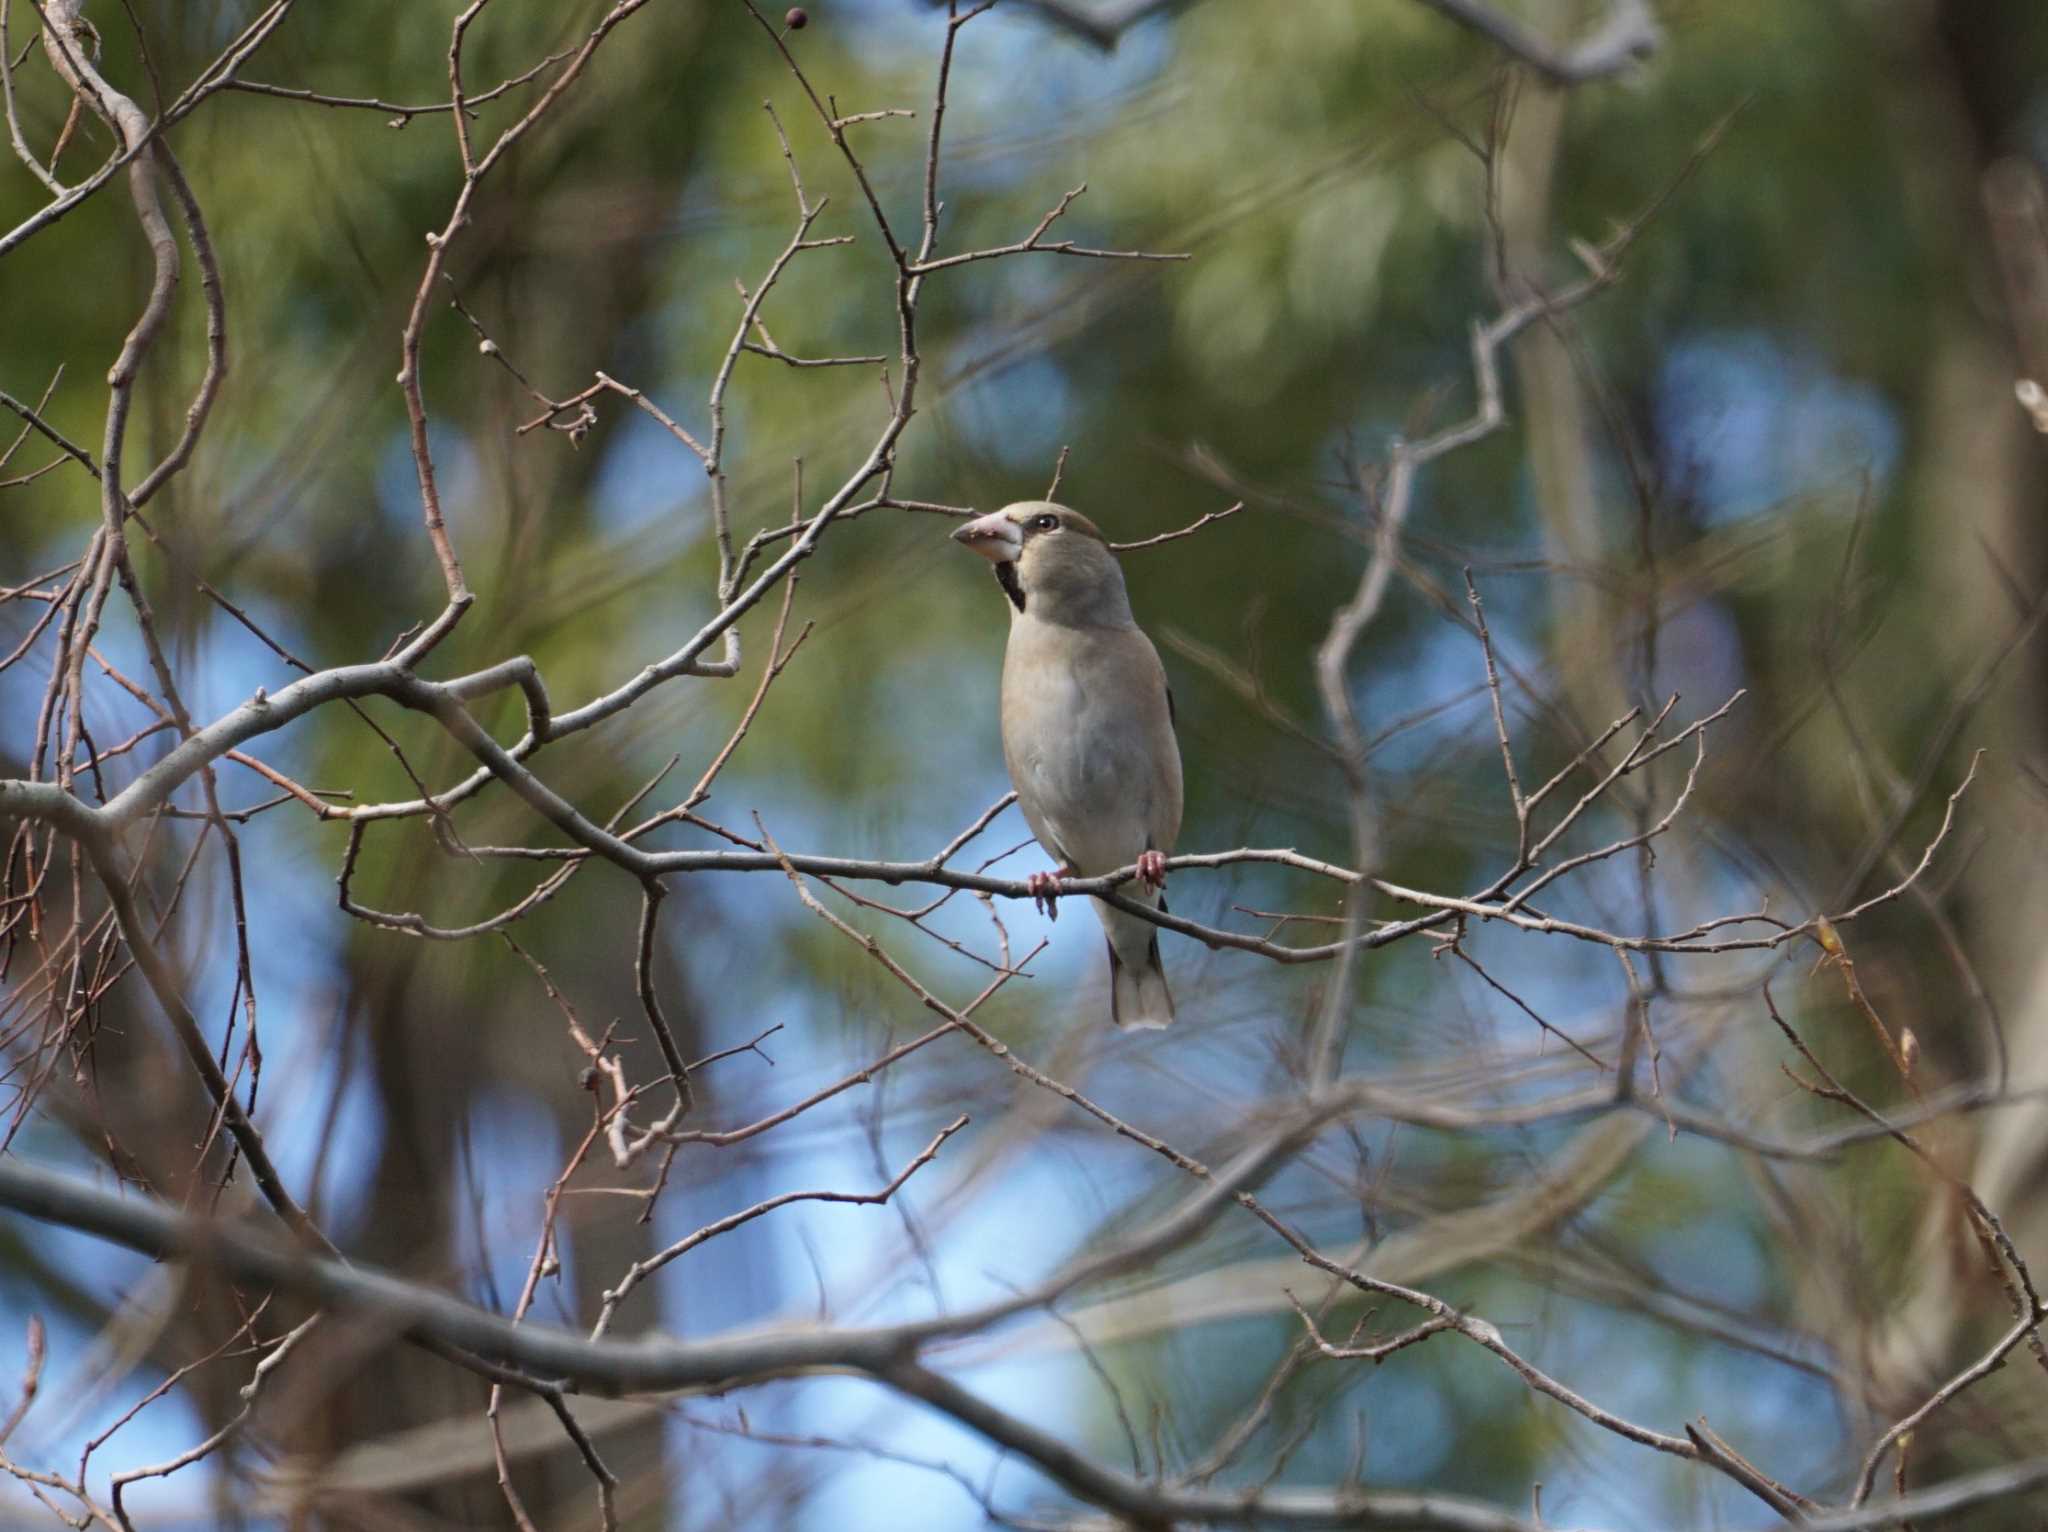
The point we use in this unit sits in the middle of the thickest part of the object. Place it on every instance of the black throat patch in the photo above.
(1006, 576)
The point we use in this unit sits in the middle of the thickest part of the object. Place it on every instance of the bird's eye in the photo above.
(1046, 523)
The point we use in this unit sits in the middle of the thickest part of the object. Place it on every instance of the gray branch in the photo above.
(886, 1354)
(653, 1363)
(1627, 35)
(1100, 22)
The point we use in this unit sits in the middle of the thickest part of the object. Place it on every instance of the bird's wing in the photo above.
(1145, 741)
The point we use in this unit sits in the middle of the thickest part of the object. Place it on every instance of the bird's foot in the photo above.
(1044, 888)
(1152, 870)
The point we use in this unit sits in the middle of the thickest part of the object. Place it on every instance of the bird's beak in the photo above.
(995, 537)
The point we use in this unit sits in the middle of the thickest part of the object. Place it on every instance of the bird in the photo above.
(1088, 730)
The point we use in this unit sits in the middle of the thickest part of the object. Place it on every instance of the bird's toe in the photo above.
(1044, 888)
(1152, 869)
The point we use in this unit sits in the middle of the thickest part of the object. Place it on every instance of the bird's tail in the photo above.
(1138, 996)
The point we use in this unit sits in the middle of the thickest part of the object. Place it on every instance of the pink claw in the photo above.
(1152, 869)
(1044, 890)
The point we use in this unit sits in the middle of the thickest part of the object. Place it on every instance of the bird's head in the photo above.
(1053, 561)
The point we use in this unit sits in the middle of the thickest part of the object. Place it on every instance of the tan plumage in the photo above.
(1087, 727)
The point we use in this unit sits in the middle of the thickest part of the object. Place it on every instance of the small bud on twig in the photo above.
(797, 19)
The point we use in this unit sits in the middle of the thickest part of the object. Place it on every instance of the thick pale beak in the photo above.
(995, 537)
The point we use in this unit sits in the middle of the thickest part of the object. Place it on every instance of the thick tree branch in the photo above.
(1626, 36)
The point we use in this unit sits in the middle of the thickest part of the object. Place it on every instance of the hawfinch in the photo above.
(1087, 729)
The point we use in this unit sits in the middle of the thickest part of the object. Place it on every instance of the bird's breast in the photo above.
(1075, 756)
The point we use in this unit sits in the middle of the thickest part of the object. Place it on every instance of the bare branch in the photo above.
(1626, 36)
(1165, 537)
